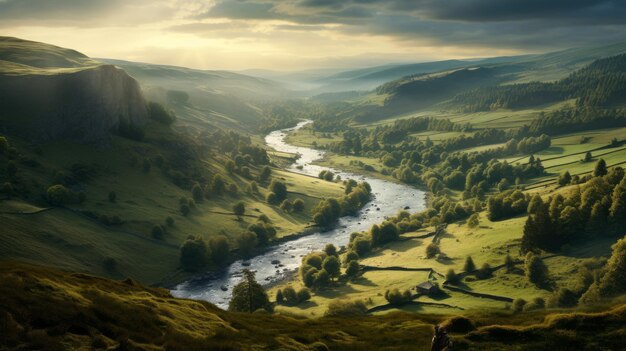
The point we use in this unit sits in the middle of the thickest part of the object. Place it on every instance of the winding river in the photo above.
(279, 260)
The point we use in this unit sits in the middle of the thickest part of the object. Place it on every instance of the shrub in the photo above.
(197, 193)
(458, 324)
(146, 165)
(304, 295)
(353, 269)
(110, 264)
(536, 304)
(332, 265)
(298, 205)
(509, 263)
(253, 188)
(185, 209)
(473, 221)
(233, 189)
(279, 189)
(518, 305)
(397, 298)
(239, 208)
(343, 308)
(432, 250)
(169, 221)
(158, 113)
(563, 297)
(280, 299)
(484, 272)
(112, 196)
(286, 205)
(536, 270)
(271, 198)
(59, 195)
(361, 245)
(290, 295)
(157, 232)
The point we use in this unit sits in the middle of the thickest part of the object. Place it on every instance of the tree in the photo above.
(253, 187)
(184, 209)
(536, 270)
(518, 305)
(280, 299)
(330, 250)
(146, 165)
(286, 205)
(564, 179)
(246, 242)
(332, 265)
(397, 298)
(220, 249)
(304, 295)
(361, 245)
(469, 265)
(484, 272)
(239, 208)
(157, 232)
(271, 198)
(617, 212)
(613, 282)
(193, 254)
(230, 166)
(279, 189)
(233, 189)
(290, 296)
(248, 295)
(432, 250)
(4, 145)
(473, 221)
(352, 269)
(59, 195)
(588, 157)
(600, 169)
(112, 196)
(265, 174)
(298, 205)
(169, 221)
(509, 263)
(452, 277)
(197, 193)
(218, 185)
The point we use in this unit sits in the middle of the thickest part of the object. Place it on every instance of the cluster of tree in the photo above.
(196, 253)
(328, 211)
(290, 297)
(296, 205)
(598, 208)
(396, 297)
(507, 204)
(158, 113)
(326, 175)
(318, 269)
(569, 120)
(601, 83)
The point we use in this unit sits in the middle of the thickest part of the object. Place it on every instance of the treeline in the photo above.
(600, 84)
(577, 119)
(598, 208)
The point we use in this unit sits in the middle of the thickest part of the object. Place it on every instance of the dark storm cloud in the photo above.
(510, 23)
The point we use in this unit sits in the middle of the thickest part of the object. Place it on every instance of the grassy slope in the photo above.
(66, 239)
(43, 308)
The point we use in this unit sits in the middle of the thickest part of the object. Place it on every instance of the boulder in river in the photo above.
(275, 261)
(224, 288)
(246, 263)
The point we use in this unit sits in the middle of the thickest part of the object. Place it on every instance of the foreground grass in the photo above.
(47, 309)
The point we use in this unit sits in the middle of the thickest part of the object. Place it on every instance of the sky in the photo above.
(289, 35)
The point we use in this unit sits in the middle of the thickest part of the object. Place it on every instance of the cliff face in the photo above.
(84, 104)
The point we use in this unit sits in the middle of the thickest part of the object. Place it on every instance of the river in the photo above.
(388, 198)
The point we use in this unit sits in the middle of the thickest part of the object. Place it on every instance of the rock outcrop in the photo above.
(85, 105)
(50, 93)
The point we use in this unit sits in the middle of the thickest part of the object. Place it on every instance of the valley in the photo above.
(158, 207)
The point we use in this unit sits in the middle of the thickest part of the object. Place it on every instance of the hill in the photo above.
(50, 93)
(203, 97)
(43, 308)
(93, 178)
